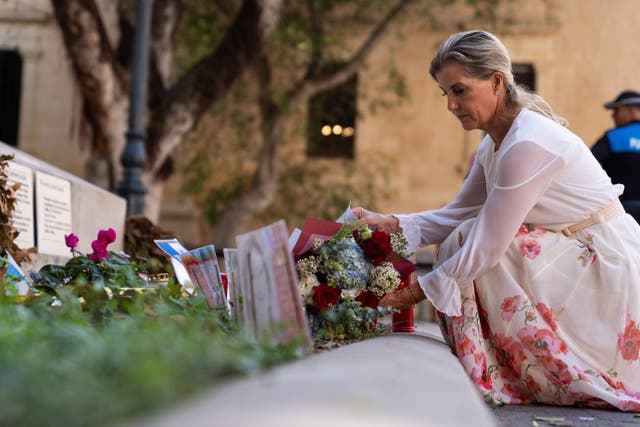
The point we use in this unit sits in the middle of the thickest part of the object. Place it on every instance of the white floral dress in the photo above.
(534, 315)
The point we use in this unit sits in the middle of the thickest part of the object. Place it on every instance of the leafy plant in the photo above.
(104, 281)
(94, 343)
(57, 367)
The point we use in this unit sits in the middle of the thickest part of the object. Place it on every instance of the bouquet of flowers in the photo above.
(344, 270)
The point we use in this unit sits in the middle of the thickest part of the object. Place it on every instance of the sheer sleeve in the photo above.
(524, 173)
(433, 226)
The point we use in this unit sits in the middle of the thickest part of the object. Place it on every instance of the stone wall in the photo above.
(92, 208)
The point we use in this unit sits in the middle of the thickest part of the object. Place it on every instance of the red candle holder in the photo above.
(403, 321)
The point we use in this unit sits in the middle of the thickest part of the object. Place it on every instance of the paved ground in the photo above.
(543, 416)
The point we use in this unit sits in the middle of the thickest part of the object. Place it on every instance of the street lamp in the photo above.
(134, 157)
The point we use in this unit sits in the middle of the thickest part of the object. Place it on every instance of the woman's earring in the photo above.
(497, 92)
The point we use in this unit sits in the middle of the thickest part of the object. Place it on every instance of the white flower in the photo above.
(384, 279)
(308, 266)
(399, 244)
(350, 294)
(306, 287)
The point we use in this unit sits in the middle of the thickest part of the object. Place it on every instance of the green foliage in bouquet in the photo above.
(346, 321)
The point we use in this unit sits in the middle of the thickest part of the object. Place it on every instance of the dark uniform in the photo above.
(618, 151)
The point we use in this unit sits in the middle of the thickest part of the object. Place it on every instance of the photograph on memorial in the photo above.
(269, 284)
(208, 263)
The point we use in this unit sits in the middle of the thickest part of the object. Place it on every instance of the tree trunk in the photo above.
(242, 210)
(195, 92)
(103, 84)
(102, 74)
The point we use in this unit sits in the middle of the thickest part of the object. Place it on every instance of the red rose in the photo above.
(377, 247)
(325, 296)
(368, 299)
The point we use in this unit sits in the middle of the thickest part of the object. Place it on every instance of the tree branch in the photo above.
(101, 79)
(311, 85)
(167, 15)
(210, 78)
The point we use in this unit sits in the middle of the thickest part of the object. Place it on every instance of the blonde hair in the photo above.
(481, 54)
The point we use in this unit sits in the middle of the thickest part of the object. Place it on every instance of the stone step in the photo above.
(394, 380)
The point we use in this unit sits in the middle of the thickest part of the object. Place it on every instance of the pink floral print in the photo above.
(629, 341)
(588, 255)
(541, 342)
(509, 343)
(509, 307)
(546, 315)
(530, 248)
(530, 230)
(557, 370)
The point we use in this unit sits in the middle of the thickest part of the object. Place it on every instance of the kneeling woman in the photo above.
(537, 280)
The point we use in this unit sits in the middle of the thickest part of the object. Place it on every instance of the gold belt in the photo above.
(614, 209)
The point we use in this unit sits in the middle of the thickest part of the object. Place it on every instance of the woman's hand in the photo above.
(386, 223)
(403, 298)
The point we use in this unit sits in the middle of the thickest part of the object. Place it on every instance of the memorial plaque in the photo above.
(53, 214)
(23, 214)
(269, 284)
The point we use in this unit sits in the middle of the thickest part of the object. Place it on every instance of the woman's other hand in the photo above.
(403, 298)
(386, 223)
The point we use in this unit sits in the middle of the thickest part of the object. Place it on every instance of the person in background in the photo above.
(537, 279)
(618, 150)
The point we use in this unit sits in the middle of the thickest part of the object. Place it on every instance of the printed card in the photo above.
(269, 284)
(174, 248)
(202, 266)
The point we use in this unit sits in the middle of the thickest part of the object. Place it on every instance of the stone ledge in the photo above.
(395, 380)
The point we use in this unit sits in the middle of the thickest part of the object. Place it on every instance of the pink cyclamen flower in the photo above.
(71, 240)
(99, 247)
(98, 255)
(108, 235)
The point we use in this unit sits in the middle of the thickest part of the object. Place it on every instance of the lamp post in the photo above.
(134, 157)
